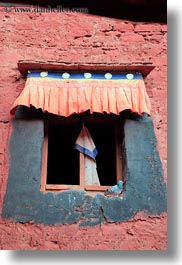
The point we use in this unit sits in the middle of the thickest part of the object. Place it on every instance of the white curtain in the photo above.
(85, 145)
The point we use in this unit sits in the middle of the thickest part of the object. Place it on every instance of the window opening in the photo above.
(63, 167)
(63, 159)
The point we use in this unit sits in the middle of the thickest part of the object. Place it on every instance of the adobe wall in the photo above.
(89, 39)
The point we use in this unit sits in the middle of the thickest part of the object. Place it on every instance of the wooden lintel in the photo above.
(141, 67)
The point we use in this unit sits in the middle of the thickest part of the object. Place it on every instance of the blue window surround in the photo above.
(23, 202)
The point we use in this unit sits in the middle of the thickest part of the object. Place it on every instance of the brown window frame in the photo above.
(44, 187)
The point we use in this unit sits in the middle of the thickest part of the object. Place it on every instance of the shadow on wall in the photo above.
(135, 10)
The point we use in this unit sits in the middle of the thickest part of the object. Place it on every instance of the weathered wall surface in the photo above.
(80, 38)
(145, 186)
(137, 234)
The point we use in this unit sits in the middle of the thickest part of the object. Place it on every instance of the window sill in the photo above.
(56, 188)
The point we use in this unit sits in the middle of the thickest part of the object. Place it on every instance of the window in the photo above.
(64, 167)
(62, 95)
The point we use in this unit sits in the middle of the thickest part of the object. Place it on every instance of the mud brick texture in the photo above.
(90, 223)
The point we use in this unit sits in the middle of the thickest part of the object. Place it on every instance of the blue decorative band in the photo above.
(86, 76)
(86, 151)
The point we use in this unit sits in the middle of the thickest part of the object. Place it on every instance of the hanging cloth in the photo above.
(65, 94)
(85, 145)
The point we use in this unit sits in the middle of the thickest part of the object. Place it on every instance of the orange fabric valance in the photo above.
(65, 94)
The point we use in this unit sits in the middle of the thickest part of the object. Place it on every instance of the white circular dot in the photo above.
(108, 76)
(44, 74)
(130, 76)
(66, 75)
(87, 75)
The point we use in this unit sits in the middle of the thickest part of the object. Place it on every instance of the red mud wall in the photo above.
(137, 234)
(87, 39)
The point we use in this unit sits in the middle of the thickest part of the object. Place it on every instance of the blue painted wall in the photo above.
(23, 202)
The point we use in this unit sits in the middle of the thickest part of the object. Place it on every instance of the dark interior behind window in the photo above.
(63, 159)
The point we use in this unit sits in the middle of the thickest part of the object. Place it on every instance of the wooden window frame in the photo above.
(44, 187)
